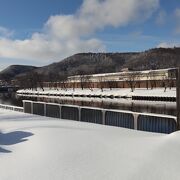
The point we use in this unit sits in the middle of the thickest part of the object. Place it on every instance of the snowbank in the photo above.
(39, 148)
(123, 92)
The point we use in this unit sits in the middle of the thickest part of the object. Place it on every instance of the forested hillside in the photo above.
(91, 63)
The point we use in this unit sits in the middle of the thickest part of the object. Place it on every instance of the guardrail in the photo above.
(126, 119)
(12, 108)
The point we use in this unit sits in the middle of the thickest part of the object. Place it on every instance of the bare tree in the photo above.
(5, 79)
(168, 81)
(132, 79)
(101, 83)
(63, 80)
(88, 82)
(171, 77)
(82, 78)
(40, 81)
(147, 80)
(32, 80)
(165, 83)
(22, 82)
(112, 84)
(73, 83)
(152, 76)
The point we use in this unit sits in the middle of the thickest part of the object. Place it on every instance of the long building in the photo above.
(124, 79)
(159, 74)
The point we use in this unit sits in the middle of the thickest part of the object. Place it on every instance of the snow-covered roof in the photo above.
(125, 72)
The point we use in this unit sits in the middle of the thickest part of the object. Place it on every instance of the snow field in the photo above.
(123, 92)
(50, 149)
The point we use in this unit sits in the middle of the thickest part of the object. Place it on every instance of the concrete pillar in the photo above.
(135, 121)
(103, 116)
(60, 111)
(178, 97)
(79, 109)
(23, 106)
(32, 107)
(44, 109)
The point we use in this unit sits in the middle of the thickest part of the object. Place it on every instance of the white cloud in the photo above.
(161, 18)
(168, 45)
(177, 12)
(177, 30)
(64, 35)
(4, 32)
(177, 16)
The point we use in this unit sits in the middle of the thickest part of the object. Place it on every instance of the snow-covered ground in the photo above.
(121, 92)
(40, 148)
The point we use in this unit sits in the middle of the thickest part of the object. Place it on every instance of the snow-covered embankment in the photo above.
(34, 148)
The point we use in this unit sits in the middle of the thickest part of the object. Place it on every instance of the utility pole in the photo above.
(178, 96)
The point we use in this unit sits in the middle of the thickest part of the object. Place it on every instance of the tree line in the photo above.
(35, 80)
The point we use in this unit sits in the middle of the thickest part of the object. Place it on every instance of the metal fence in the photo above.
(156, 124)
(12, 108)
(127, 119)
(119, 119)
(53, 110)
(91, 115)
(69, 112)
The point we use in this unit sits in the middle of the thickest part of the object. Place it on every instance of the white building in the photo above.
(160, 74)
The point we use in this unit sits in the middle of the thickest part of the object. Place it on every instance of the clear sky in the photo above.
(39, 32)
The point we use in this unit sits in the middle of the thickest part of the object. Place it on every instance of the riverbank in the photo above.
(47, 148)
(114, 93)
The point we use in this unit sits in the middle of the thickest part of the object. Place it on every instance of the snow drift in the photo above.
(39, 148)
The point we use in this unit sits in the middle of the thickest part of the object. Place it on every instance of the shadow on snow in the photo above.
(7, 139)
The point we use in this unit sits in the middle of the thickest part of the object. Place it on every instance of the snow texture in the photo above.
(123, 92)
(40, 148)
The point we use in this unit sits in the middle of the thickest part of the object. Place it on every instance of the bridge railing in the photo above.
(12, 108)
(127, 119)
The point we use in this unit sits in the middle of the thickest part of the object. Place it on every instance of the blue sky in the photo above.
(25, 17)
(39, 32)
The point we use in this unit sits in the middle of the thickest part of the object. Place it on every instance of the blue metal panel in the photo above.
(27, 107)
(52, 111)
(71, 113)
(156, 124)
(91, 115)
(119, 119)
(38, 108)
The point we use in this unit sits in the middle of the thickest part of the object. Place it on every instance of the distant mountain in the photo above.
(160, 58)
(88, 63)
(91, 63)
(14, 70)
